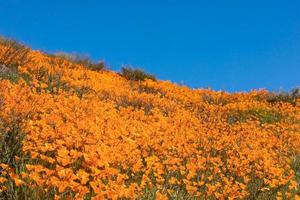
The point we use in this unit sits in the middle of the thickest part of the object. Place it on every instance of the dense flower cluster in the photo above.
(94, 134)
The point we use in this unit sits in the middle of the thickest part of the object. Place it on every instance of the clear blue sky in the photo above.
(234, 45)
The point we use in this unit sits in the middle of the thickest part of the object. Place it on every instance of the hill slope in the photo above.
(69, 132)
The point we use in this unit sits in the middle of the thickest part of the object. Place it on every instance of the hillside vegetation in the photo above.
(72, 129)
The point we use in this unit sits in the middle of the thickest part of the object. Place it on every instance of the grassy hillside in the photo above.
(70, 129)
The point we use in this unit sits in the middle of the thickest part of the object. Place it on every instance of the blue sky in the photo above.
(230, 45)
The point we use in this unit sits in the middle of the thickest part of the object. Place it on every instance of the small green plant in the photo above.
(136, 74)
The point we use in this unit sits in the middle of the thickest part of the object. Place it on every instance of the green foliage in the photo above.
(12, 74)
(288, 97)
(10, 144)
(262, 115)
(295, 164)
(15, 54)
(150, 90)
(11, 139)
(54, 83)
(52, 80)
(81, 91)
(215, 101)
(136, 74)
(135, 103)
(265, 116)
(148, 194)
(11, 154)
(83, 60)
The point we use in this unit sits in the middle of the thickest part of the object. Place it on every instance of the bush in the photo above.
(288, 97)
(83, 60)
(15, 54)
(150, 90)
(262, 115)
(134, 103)
(136, 74)
(213, 100)
(9, 74)
(11, 154)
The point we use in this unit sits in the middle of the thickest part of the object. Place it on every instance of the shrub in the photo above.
(13, 161)
(11, 139)
(11, 154)
(83, 60)
(266, 116)
(15, 53)
(54, 83)
(296, 167)
(262, 115)
(135, 103)
(81, 91)
(9, 74)
(150, 90)
(288, 97)
(215, 101)
(136, 74)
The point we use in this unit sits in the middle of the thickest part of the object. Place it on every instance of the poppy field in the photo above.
(68, 131)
